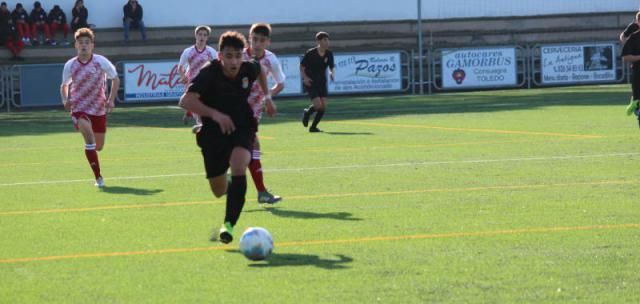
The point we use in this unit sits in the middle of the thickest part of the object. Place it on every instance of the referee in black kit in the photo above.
(313, 69)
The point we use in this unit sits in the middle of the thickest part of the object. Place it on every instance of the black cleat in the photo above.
(314, 130)
(305, 117)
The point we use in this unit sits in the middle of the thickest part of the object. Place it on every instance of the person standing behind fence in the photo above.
(79, 16)
(133, 19)
(39, 21)
(9, 34)
(21, 20)
(313, 69)
(58, 21)
(83, 89)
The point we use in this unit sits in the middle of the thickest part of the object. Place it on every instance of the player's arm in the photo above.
(112, 74)
(262, 81)
(183, 61)
(278, 76)
(332, 67)
(64, 87)
(113, 94)
(631, 58)
(190, 101)
(305, 78)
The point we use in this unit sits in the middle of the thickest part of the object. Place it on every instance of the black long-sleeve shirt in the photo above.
(130, 13)
(57, 16)
(82, 15)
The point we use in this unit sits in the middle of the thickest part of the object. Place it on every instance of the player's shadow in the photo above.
(348, 133)
(292, 260)
(341, 216)
(128, 190)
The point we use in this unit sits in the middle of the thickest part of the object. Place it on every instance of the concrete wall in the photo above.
(167, 13)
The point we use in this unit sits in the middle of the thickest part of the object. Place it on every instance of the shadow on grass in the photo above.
(341, 216)
(293, 260)
(39, 122)
(128, 190)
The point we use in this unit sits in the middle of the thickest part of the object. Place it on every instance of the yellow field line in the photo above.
(329, 242)
(468, 129)
(321, 196)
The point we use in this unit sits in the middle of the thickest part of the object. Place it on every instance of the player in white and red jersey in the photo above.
(259, 40)
(84, 84)
(192, 60)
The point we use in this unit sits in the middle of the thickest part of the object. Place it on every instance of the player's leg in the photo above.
(84, 126)
(307, 112)
(635, 89)
(236, 192)
(318, 103)
(255, 168)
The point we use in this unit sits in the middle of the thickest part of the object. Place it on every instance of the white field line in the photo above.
(347, 167)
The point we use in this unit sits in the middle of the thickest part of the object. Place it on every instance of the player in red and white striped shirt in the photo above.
(192, 60)
(259, 40)
(83, 91)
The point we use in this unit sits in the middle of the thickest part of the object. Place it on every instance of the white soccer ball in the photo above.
(256, 243)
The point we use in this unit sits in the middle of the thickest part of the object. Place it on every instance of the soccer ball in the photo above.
(256, 243)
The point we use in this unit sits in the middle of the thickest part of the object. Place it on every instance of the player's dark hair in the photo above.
(263, 29)
(322, 35)
(203, 28)
(84, 32)
(3, 4)
(232, 39)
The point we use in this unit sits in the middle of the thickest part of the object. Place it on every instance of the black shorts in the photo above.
(216, 148)
(317, 89)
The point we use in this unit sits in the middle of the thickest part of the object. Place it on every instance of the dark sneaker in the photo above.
(314, 130)
(268, 198)
(305, 117)
(225, 235)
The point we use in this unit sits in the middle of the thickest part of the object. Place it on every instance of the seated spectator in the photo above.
(79, 15)
(4, 11)
(133, 19)
(9, 33)
(58, 21)
(39, 22)
(21, 21)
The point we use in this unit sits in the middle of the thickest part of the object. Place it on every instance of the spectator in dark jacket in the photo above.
(58, 21)
(79, 16)
(132, 19)
(21, 21)
(39, 22)
(9, 33)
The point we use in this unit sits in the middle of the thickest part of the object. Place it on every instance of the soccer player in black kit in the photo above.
(219, 95)
(313, 69)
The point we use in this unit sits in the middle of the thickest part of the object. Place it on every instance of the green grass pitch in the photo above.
(513, 196)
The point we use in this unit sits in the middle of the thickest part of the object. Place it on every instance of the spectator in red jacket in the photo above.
(21, 20)
(58, 21)
(79, 16)
(39, 22)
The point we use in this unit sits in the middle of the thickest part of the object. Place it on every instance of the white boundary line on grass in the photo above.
(345, 167)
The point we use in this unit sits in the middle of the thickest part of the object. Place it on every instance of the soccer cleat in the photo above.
(314, 130)
(632, 107)
(226, 233)
(99, 182)
(305, 117)
(264, 197)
